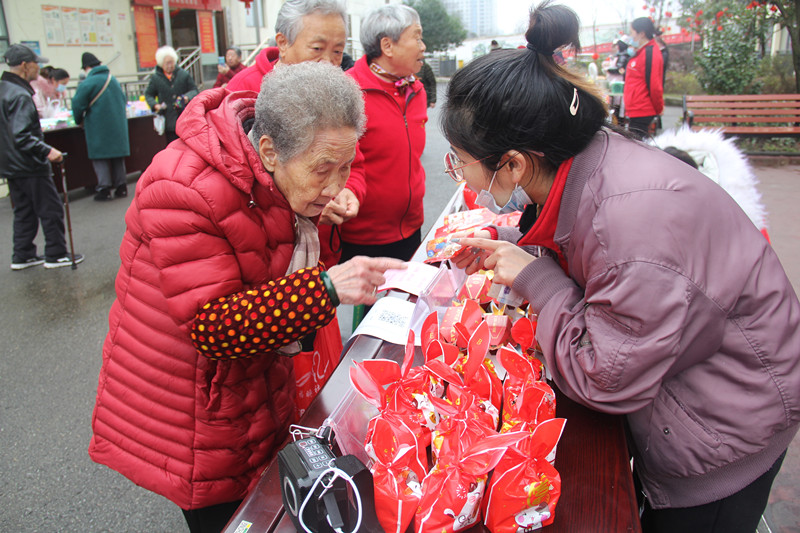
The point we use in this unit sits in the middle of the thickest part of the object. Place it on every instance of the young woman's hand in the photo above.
(505, 259)
(470, 258)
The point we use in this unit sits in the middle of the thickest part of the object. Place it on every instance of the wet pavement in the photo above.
(54, 323)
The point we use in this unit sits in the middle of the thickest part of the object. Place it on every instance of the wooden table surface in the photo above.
(597, 493)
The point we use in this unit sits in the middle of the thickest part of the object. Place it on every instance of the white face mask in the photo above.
(61, 88)
(516, 202)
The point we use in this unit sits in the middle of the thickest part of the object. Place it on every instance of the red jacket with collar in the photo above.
(250, 78)
(192, 429)
(639, 102)
(392, 147)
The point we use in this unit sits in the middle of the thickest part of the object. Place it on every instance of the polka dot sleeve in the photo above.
(259, 320)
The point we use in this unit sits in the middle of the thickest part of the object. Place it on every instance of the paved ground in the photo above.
(54, 324)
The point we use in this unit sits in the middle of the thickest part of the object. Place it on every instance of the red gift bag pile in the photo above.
(453, 444)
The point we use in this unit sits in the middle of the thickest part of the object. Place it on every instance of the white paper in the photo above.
(411, 280)
(389, 319)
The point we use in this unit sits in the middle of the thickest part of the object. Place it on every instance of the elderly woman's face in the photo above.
(406, 55)
(313, 178)
(169, 65)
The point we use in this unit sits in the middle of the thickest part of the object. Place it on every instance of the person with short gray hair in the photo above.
(388, 21)
(390, 218)
(221, 298)
(305, 30)
(294, 105)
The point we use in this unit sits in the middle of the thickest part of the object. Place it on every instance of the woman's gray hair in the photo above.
(290, 16)
(163, 53)
(386, 21)
(297, 101)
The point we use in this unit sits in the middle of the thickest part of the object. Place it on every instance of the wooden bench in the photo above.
(745, 115)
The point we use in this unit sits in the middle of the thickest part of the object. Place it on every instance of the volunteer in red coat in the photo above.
(390, 218)
(312, 30)
(220, 283)
(643, 97)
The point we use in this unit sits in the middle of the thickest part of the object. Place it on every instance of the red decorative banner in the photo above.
(210, 5)
(146, 35)
(205, 22)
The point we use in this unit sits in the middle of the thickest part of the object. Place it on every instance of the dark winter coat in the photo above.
(23, 152)
(105, 123)
(166, 90)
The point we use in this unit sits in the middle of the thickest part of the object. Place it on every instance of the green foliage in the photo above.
(727, 64)
(756, 19)
(681, 83)
(775, 74)
(440, 30)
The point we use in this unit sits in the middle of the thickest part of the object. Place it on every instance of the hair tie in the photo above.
(532, 48)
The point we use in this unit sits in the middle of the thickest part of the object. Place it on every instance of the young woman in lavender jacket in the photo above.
(657, 298)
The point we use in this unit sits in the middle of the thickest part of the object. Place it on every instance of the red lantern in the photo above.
(246, 3)
(595, 56)
(668, 14)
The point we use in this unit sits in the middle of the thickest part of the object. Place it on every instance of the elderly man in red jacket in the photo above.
(312, 30)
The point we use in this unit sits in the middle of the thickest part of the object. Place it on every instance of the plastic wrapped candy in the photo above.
(476, 287)
(402, 391)
(462, 424)
(397, 474)
(525, 486)
(533, 405)
(469, 314)
(452, 493)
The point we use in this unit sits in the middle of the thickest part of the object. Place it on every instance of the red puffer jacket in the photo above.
(194, 430)
(250, 78)
(392, 147)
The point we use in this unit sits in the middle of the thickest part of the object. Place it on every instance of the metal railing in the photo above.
(189, 60)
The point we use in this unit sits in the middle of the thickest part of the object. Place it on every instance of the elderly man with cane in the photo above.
(25, 162)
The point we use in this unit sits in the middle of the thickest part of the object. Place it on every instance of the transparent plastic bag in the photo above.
(159, 123)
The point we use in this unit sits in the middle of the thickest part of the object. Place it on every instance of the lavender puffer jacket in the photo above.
(676, 313)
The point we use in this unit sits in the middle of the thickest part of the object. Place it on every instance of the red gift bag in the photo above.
(312, 369)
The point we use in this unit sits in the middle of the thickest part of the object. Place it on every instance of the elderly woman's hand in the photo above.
(355, 280)
(505, 259)
(341, 209)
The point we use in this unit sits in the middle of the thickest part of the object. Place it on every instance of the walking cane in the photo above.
(66, 206)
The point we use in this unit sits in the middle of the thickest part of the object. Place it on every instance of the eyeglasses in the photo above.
(453, 166)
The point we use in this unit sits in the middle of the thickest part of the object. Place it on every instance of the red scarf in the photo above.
(544, 229)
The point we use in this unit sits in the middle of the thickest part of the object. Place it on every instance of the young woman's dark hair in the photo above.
(645, 25)
(46, 72)
(59, 74)
(522, 100)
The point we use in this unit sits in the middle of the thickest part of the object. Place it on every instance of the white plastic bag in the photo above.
(159, 122)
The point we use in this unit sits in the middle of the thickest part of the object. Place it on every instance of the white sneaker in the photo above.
(64, 261)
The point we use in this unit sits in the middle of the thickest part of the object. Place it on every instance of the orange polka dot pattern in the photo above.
(257, 321)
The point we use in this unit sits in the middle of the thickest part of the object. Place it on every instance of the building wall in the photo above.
(25, 23)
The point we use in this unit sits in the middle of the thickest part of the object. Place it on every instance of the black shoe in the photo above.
(64, 261)
(30, 262)
(103, 195)
(121, 192)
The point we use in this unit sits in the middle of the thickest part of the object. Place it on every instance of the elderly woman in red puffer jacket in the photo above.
(220, 282)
